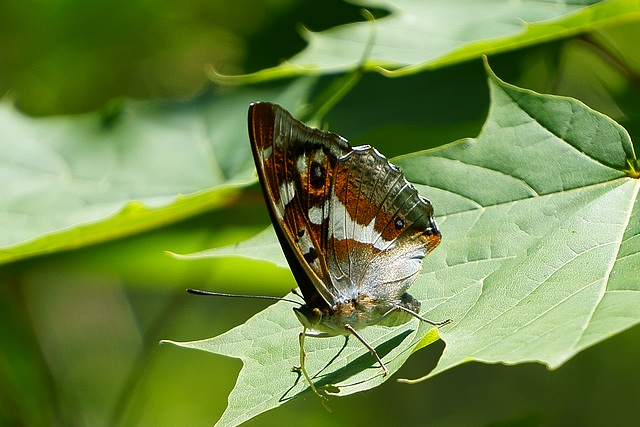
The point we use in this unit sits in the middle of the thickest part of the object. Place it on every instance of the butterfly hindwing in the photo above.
(381, 228)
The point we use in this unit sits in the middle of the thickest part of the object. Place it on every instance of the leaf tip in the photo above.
(490, 73)
(430, 337)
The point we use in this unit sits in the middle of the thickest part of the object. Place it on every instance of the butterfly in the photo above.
(354, 231)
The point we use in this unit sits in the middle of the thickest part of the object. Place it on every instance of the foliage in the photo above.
(539, 214)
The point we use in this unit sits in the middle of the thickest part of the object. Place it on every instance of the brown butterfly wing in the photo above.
(380, 228)
(296, 166)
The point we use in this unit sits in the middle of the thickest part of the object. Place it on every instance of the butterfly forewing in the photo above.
(295, 164)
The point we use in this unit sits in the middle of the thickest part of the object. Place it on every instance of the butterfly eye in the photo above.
(399, 223)
(317, 175)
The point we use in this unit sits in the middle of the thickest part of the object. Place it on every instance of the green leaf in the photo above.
(68, 182)
(261, 247)
(540, 218)
(268, 346)
(422, 35)
(539, 257)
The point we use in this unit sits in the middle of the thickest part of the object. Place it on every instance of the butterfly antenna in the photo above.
(220, 294)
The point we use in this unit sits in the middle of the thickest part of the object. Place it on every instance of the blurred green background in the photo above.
(80, 329)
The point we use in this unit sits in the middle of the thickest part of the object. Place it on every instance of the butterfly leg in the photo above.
(303, 356)
(417, 316)
(414, 314)
(371, 349)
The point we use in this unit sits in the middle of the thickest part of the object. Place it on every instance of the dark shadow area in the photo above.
(365, 361)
